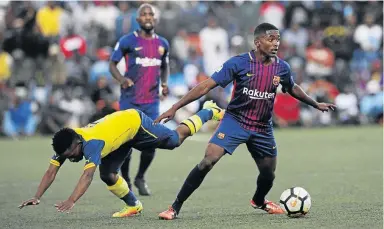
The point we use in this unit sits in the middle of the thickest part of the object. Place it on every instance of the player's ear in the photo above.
(256, 42)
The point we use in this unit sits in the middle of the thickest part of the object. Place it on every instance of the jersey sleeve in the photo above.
(92, 153)
(286, 79)
(120, 49)
(165, 57)
(226, 73)
(56, 160)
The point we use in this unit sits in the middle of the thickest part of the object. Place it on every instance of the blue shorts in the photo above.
(229, 135)
(152, 136)
(150, 109)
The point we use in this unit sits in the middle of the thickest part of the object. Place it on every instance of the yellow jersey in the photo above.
(105, 135)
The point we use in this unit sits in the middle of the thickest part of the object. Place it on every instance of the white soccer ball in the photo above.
(295, 201)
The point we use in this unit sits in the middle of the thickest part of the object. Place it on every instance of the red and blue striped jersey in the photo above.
(144, 59)
(254, 88)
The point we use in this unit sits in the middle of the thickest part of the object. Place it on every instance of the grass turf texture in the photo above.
(340, 167)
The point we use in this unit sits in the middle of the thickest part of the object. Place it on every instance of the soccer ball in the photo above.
(295, 201)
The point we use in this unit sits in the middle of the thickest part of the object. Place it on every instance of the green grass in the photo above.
(340, 167)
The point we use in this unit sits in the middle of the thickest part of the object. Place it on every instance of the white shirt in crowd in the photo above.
(215, 47)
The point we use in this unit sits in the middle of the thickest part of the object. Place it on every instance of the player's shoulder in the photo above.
(239, 59)
(129, 36)
(163, 40)
(283, 63)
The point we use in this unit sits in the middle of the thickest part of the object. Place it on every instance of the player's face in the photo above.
(146, 19)
(74, 153)
(268, 44)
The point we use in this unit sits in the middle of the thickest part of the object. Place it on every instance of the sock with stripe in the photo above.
(121, 190)
(195, 122)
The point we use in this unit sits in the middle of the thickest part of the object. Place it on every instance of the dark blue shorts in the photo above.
(229, 135)
(150, 109)
(152, 136)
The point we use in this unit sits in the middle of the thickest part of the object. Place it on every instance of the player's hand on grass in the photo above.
(33, 201)
(65, 206)
(325, 107)
(166, 116)
(127, 83)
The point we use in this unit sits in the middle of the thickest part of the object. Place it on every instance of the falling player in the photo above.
(146, 57)
(248, 118)
(106, 143)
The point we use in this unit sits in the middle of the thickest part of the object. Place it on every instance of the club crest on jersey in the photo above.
(220, 135)
(276, 80)
(161, 50)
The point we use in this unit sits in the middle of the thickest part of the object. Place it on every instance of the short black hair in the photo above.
(63, 139)
(263, 28)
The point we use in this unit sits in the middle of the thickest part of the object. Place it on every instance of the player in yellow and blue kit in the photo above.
(106, 143)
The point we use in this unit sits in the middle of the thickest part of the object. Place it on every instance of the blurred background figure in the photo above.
(58, 52)
(20, 120)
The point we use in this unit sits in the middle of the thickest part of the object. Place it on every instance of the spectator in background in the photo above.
(82, 14)
(71, 43)
(48, 20)
(337, 37)
(296, 13)
(273, 12)
(296, 36)
(347, 106)
(126, 21)
(287, 110)
(320, 61)
(6, 62)
(104, 17)
(214, 43)
(101, 67)
(180, 45)
(369, 35)
(20, 120)
(371, 104)
(104, 99)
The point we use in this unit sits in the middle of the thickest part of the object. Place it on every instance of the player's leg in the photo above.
(109, 169)
(225, 140)
(194, 123)
(147, 156)
(124, 105)
(262, 147)
(125, 169)
(194, 179)
(146, 159)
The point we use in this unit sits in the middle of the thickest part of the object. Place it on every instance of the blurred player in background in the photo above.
(248, 119)
(146, 57)
(106, 143)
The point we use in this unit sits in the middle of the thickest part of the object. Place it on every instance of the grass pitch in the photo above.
(342, 169)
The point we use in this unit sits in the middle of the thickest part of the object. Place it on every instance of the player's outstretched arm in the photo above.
(297, 92)
(197, 92)
(81, 188)
(45, 183)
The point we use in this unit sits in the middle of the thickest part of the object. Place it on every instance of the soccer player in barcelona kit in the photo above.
(146, 58)
(248, 117)
(106, 143)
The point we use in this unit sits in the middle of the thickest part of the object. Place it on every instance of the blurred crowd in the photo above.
(54, 57)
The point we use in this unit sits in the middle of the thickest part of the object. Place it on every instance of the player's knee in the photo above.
(267, 174)
(108, 178)
(207, 163)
